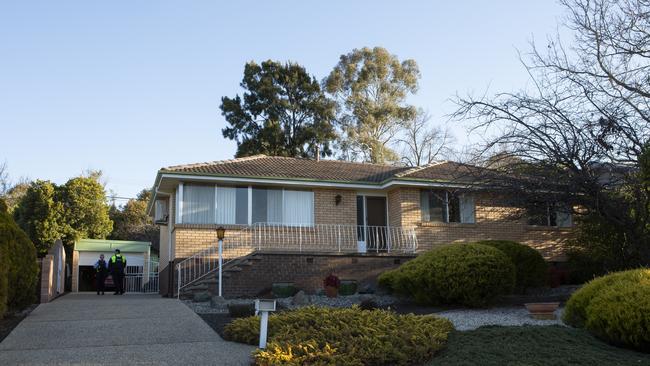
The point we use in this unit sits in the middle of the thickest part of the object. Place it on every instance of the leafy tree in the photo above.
(371, 86)
(283, 112)
(132, 222)
(85, 209)
(584, 124)
(40, 214)
(14, 194)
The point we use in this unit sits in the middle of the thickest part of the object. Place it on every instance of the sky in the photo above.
(129, 87)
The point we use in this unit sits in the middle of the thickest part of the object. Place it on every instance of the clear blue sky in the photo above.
(130, 86)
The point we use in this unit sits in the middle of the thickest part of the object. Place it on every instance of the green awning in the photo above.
(98, 245)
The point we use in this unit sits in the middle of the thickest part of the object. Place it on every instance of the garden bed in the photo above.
(11, 321)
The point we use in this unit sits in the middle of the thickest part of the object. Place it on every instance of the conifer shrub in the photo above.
(343, 336)
(471, 275)
(531, 268)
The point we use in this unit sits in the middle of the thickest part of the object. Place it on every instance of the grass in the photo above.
(532, 346)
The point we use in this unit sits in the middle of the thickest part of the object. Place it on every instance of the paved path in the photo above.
(85, 329)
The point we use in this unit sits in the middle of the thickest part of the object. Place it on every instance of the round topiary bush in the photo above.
(343, 336)
(615, 307)
(463, 274)
(531, 268)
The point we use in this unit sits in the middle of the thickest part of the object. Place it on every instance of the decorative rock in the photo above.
(300, 299)
(218, 301)
(201, 297)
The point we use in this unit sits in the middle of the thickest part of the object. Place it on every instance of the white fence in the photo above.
(314, 238)
(142, 278)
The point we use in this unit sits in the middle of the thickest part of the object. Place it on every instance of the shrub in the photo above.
(575, 310)
(615, 307)
(283, 289)
(241, 310)
(348, 287)
(531, 268)
(343, 336)
(18, 259)
(464, 274)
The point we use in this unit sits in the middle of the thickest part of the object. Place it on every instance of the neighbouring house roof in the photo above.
(98, 245)
(262, 166)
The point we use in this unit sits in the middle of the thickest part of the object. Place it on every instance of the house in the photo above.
(140, 265)
(292, 219)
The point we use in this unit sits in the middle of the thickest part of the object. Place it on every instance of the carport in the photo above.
(140, 267)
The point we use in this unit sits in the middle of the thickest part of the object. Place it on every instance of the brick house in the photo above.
(290, 219)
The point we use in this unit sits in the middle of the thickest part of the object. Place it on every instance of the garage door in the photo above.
(89, 258)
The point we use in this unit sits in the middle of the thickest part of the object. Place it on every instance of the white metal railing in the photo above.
(322, 238)
(142, 278)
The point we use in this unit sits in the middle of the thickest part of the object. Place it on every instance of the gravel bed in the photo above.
(288, 302)
(508, 316)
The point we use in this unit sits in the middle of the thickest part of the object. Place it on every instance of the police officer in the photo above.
(116, 266)
(101, 270)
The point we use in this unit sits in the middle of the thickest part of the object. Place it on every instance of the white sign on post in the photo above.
(263, 307)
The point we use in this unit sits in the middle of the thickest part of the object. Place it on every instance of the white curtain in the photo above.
(467, 209)
(298, 208)
(226, 205)
(274, 206)
(198, 204)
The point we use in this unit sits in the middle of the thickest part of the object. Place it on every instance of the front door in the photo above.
(372, 222)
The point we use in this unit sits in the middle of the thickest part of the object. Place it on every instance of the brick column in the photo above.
(75, 271)
(47, 279)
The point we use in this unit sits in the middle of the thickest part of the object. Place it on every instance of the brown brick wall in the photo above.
(306, 271)
(326, 211)
(494, 220)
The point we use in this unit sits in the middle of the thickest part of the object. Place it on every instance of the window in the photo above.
(203, 204)
(549, 214)
(160, 211)
(444, 206)
(198, 204)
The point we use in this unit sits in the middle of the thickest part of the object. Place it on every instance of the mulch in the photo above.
(217, 321)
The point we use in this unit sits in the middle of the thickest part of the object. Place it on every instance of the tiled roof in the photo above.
(293, 168)
(262, 166)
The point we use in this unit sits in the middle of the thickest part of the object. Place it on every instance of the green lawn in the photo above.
(533, 345)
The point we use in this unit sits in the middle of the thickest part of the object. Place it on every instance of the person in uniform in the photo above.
(116, 266)
(101, 271)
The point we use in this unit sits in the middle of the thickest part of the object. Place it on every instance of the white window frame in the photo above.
(446, 208)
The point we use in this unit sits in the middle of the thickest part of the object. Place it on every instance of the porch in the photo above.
(322, 239)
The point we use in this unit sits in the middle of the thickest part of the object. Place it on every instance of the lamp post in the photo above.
(221, 233)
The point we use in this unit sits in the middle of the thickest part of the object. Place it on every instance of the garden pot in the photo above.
(331, 291)
(542, 310)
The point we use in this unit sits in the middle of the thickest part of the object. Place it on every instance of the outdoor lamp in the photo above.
(221, 233)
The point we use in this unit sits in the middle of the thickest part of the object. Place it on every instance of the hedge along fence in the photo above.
(460, 274)
(615, 307)
(531, 268)
(18, 268)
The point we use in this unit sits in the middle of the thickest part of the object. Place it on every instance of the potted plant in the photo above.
(331, 284)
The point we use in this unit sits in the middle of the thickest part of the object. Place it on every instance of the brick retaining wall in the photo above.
(307, 271)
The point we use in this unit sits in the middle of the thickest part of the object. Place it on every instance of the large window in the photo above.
(549, 214)
(202, 204)
(444, 206)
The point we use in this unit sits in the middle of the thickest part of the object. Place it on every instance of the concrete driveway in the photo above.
(85, 329)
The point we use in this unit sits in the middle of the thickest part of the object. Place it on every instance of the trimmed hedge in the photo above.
(531, 268)
(343, 336)
(615, 307)
(462, 274)
(18, 259)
